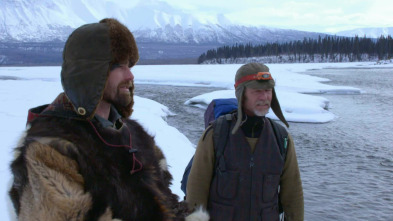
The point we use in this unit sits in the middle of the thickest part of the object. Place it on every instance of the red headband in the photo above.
(257, 76)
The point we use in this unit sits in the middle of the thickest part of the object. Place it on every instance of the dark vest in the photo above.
(248, 188)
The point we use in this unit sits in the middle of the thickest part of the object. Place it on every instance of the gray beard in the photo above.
(260, 113)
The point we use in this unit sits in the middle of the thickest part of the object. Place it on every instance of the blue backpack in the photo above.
(219, 114)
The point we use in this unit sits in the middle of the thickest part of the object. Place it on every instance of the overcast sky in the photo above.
(308, 15)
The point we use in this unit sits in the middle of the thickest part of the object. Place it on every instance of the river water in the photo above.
(347, 164)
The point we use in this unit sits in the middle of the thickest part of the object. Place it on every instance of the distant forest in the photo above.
(326, 49)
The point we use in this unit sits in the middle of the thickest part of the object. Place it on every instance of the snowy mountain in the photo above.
(34, 32)
(368, 32)
(149, 20)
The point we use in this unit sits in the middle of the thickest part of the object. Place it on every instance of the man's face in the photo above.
(257, 101)
(119, 84)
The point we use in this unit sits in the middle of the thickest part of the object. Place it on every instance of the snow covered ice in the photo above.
(24, 87)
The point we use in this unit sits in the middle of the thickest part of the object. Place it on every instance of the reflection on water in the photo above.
(347, 164)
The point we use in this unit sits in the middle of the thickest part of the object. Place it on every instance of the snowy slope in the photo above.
(33, 32)
(368, 32)
(149, 20)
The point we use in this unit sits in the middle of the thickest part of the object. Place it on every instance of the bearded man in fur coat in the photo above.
(82, 158)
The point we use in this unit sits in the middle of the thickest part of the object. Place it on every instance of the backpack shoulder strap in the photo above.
(220, 137)
(282, 141)
(281, 136)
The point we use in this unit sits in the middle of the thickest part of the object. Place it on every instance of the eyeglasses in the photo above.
(258, 76)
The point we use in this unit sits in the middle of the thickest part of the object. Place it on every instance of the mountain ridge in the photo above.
(373, 32)
(34, 32)
(46, 20)
(149, 20)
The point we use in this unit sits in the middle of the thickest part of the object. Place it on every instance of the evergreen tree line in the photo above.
(326, 49)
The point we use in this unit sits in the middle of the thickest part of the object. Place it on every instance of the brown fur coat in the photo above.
(64, 171)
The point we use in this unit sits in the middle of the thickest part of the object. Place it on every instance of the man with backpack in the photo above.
(245, 165)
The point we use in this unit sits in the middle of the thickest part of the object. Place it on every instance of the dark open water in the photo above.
(347, 164)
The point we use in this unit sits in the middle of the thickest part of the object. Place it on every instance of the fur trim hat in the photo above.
(256, 76)
(88, 55)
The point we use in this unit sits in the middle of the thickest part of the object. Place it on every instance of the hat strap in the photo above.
(257, 76)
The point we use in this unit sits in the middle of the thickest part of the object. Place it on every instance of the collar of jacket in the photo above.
(60, 107)
(253, 126)
(113, 120)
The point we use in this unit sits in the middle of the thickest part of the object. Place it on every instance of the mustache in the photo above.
(262, 103)
(126, 83)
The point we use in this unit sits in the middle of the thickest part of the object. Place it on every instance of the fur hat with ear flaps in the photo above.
(247, 76)
(88, 55)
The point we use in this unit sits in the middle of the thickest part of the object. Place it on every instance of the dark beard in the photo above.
(120, 100)
(123, 100)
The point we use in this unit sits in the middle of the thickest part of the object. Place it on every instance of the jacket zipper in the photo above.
(251, 169)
